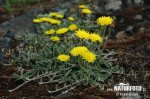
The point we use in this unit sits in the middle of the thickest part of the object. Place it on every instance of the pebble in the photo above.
(113, 5)
(141, 29)
(138, 17)
(121, 36)
(129, 29)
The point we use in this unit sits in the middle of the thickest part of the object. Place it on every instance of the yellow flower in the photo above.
(62, 30)
(95, 37)
(70, 18)
(82, 34)
(54, 21)
(63, 57)
(76, 51)
(83, 7)
(73, 27)
(89, 56)
(51, 31)
(44, 19)
(54, 38)
(56, 14)
(86, 11)
(50, 20)
(53, 13)
(37, 20)
(104, 20)
(59, 16)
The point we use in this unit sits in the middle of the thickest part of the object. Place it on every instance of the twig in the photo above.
(63, 88)
(40, 76)
(4, 64)
(20, 86)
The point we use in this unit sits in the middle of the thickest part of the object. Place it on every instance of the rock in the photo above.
(129, 29)
(137, 2)
(1, 3)
(113, 5)
(126, 3)
(5, 43)
(141, 29)
(22, 24)
(121, 36)
(138, 17)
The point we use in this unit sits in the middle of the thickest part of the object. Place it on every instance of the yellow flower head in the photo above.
(56, 14)
(104, 20)
(53, 13)
(86, 11)
(70, 18)
(89, 56)
(54, 21)
(51, 31)
(76, 51)
(50, 20)
(59, 16)
(95, 37)
(73, 27)
(44, 19)
(83, 7)
(54, 38)
(82, 34)
(62, 31)
(63, 57)
(37, 20)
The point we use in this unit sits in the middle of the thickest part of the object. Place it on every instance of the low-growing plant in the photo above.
(66, 50)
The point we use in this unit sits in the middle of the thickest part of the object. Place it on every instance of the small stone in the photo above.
(113, 5)
(138, 17)
(129, 29)
(141, 29)
(121, 36)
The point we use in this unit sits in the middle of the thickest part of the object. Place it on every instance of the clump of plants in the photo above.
(66, 49)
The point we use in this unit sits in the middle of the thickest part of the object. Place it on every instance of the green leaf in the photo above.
(75, 77)
(68, 72)
(102, 77)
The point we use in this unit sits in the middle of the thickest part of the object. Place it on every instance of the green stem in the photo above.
(105, 43)
(103, 28)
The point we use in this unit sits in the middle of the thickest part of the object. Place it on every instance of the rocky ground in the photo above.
(131, 40)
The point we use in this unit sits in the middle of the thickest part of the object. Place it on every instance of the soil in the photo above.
(133, 49)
